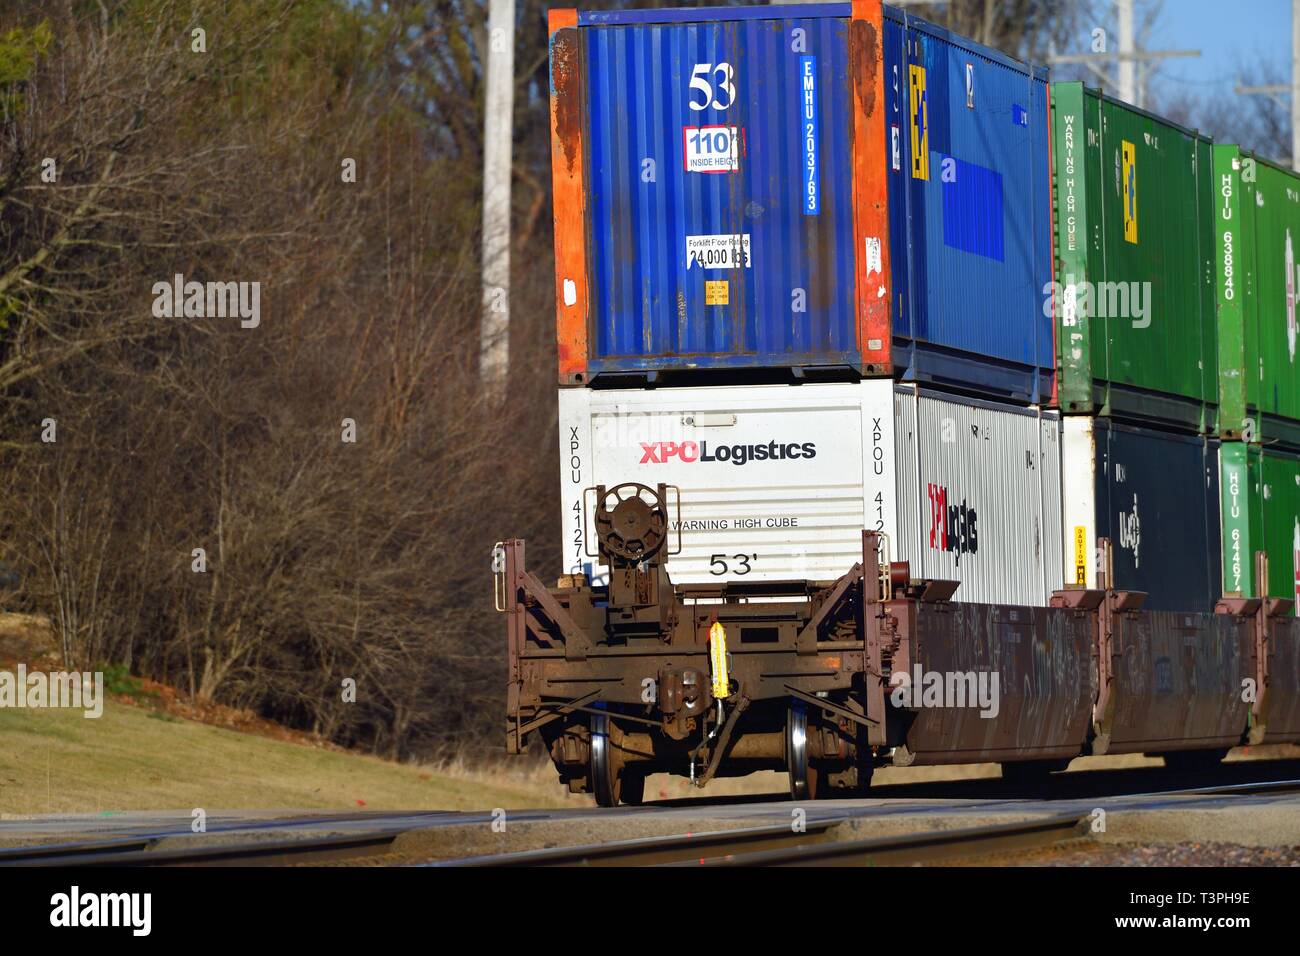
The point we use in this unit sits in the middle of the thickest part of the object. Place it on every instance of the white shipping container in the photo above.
(777, 482)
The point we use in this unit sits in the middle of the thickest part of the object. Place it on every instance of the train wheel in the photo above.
(604, 783)
(803, 776)
(611, 786)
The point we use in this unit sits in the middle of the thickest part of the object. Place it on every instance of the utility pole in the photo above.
(498, 122)
(1277, 91)
(1126, 67)
(1132, 63)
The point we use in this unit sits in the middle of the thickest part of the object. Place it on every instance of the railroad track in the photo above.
(658, 851)
(768, 845)
(781, 846)
(137, 852)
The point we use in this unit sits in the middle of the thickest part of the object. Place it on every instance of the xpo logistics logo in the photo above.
(952, 526)
(689, 452)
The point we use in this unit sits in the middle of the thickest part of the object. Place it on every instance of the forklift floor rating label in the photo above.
(718, 252)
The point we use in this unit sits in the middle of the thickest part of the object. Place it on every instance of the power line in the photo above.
(1132, 63)
(1277, 91)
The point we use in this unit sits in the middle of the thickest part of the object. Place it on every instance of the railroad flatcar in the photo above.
(1004, 529)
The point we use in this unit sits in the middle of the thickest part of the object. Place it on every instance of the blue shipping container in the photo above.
(713, 211)
(973, 206)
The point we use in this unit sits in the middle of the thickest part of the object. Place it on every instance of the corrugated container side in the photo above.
(1257, 217)
(1135, 328)
(1260, 511)
(970, 199)
(722, 157)
(984, 485)
(778, 482)
(753, 198)
(1276, 249)
(1154, 494)
(1280, 479)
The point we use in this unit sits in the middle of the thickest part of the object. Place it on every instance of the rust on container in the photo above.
(569, 192)
(870, 188)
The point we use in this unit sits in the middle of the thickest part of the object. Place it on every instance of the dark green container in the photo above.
(1257, 248)
(1135, 321)
(1259, 491)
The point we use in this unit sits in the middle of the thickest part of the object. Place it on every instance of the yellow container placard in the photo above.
(920, 123)
(1128, 152)
(1080, 555)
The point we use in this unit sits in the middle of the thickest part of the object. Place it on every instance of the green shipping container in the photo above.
(1260, 505)
(1134, 291)
(1257, 244)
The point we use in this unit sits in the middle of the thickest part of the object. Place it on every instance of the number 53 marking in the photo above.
(700, 81)
(720, 561)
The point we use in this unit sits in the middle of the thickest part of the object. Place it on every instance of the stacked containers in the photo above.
(1257, 230)
(830, 188)
(815, 191)
(776, 483)
(1135, 348)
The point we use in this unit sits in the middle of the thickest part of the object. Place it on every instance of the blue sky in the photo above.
(1230, 34)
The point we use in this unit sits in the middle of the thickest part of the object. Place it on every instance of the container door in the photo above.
(720, 194)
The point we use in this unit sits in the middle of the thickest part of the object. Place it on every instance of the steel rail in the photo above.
(55, 852)
(912, 848)
(655, 851)
(260, 853)
(772, 845)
